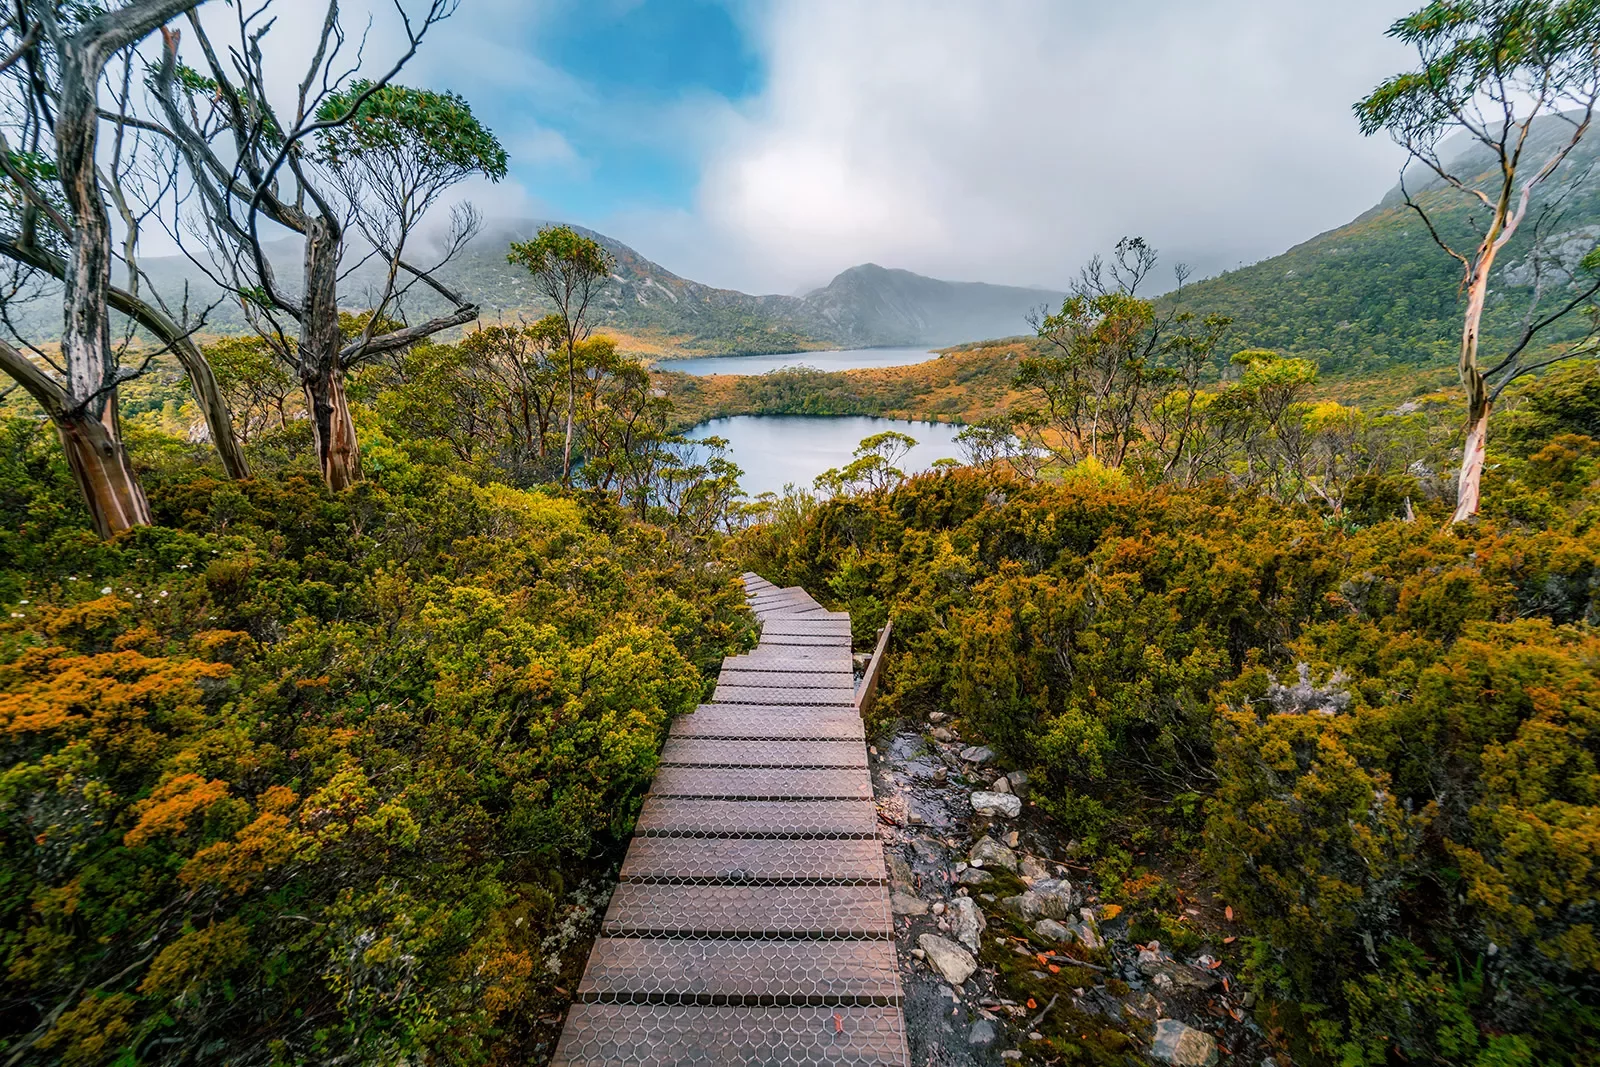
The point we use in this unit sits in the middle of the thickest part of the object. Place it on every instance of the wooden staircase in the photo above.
(751, 925)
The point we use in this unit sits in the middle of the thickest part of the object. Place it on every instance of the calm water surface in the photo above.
(775, 450)
(843, 359)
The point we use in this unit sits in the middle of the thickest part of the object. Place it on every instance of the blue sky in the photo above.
(639, 59)
(597, 109)
(768, 144)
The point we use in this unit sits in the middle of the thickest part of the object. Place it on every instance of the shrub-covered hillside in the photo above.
(1377, 738)
(296, 777)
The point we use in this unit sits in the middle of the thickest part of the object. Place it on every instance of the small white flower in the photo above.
(106, 591)
(138, 596)
(163, 592)
(16, 614)
(22, 602)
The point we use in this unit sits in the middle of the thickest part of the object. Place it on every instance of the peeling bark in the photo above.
(202, 380)
(321, 368)
(100, 466)
(1470, 482)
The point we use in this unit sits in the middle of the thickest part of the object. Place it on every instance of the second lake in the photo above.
(778, 450)
(840, 359)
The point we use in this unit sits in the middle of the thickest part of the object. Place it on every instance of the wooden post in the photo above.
(867, 693)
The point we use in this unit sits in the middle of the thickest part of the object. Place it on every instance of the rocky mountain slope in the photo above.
(1378, 293)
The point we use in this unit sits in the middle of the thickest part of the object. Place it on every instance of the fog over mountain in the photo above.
(863, 307)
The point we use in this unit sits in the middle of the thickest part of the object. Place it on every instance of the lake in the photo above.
(842, 359)
(775, 450)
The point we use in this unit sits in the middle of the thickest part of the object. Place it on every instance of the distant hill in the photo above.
(865, 306)
(1378, 293)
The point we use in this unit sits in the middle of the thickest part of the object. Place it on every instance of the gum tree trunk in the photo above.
(100, 466)
(1469, 482)
(85, 413)
(321, 372)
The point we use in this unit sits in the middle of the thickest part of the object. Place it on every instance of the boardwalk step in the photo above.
(752, 694)
(833, 679)
(718, 971)
(784, 625)
(747, 721)
(754, 859)
(719, 752)
(768, 783)
(708, 817)
(841, 911)
(794, 658)
(604, 1034)
(806, 641)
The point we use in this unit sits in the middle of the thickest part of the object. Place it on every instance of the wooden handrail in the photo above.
(867, 692)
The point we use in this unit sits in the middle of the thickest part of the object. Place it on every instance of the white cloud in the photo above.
(1009, 140)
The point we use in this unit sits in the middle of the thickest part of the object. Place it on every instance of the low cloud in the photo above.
(1009, 141)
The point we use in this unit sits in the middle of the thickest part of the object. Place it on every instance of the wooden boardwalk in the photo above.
(752, 925)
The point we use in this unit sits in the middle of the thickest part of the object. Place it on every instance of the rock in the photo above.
(1019, 782)
(900, 871)
(1157, 965)
(1011, 1054)
(860, 660)
(906, 904)
(941, 775)
(927, 851)
(1143, 1005)
(938, 907)
(1051, 930)
(977, 753)
(1183, 1046)
(1024, 906)
(1012, 838)
(967, 922)
(1088, 931)
(948, 958)
(973, 876)
(1033, 867)
(1000, 785)
(983, 1033)
(986, 803)
(937, 716)
(939, 733)
(1048, 898)
(1056, 897)
(990, 853)
(919, 953)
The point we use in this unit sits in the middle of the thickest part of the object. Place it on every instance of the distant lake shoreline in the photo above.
(824, 360)
(778, 450)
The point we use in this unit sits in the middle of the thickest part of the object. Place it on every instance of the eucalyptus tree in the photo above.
(362, 154)
(55, 59)
(1521, 79)
(568, 268)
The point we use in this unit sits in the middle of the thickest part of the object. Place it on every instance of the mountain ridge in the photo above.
(862, 307)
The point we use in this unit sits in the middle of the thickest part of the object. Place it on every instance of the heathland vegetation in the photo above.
(336, 657)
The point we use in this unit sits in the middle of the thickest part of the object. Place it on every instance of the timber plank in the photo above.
(754, 859)
(653, 909)
(718, 752)
(763, 783)
(711, 817)
(732, 1036)
(754, 722)
(722, 971)
(750, 694)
